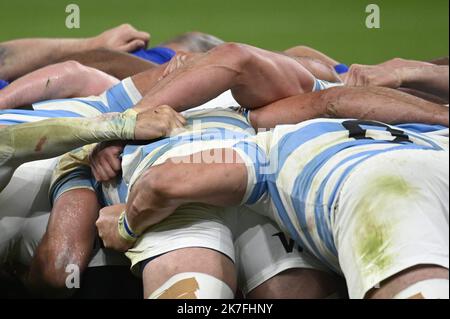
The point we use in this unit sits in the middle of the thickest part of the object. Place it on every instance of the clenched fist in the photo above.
(108, 229)
(158, 122)
(105, 160)
(123, 38)
(367, 75)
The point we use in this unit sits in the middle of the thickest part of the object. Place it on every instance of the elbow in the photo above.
(262, 120)
(72, 68)
(74, 76)
(153, 192)
(254, 119)
(235, 56)
(85, 80)
(331, 100)
(157, 181)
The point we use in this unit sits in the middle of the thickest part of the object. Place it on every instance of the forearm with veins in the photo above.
(429, 79)
(371, 103)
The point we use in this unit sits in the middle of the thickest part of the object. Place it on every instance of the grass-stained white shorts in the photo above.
(392, 214)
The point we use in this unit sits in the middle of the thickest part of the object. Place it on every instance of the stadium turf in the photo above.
(409, 28)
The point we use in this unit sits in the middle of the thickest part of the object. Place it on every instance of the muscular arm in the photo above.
(371, 103)
(402, 63)
(428, 79)
(69, 240)
(53, 137)
(399, 73)
(304, 51)
(255, 76)
(19, 57)
(62, 80)
(118, 64)
(164, 188)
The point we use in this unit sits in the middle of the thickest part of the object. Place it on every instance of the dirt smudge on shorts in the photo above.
(375, 220)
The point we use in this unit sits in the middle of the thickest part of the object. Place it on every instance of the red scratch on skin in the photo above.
(40, 144)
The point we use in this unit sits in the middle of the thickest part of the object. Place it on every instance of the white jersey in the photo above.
(391, 214)
(118, 98)
(296, 172)
(259, 249)
(214, 126)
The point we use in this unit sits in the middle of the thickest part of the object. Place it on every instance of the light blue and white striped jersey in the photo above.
(296, 172)
(119, 98)
(217, 127)
(320, 85)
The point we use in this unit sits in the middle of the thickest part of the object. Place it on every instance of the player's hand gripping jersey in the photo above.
(252, 241)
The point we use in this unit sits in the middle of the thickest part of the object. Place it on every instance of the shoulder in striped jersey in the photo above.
(13, 117)
(116, 99)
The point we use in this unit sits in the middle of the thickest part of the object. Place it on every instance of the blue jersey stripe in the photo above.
(220, 119)
(276, 199)
(41, 113)
(297, 138)
(370, 154)
(209, 134)
(118, 99)
(98, 105)
(302, 187)
(421, 128)
(123, 191)
(275, 196)
(78, 178)
(293, 140)
(260, 165)
(319, 211)
(23, 114)
(426, 140)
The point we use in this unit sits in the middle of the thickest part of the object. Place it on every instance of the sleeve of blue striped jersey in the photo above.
(118, 98)
(320, 85)
(80, 178)
(257, 165)
(123, 96)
